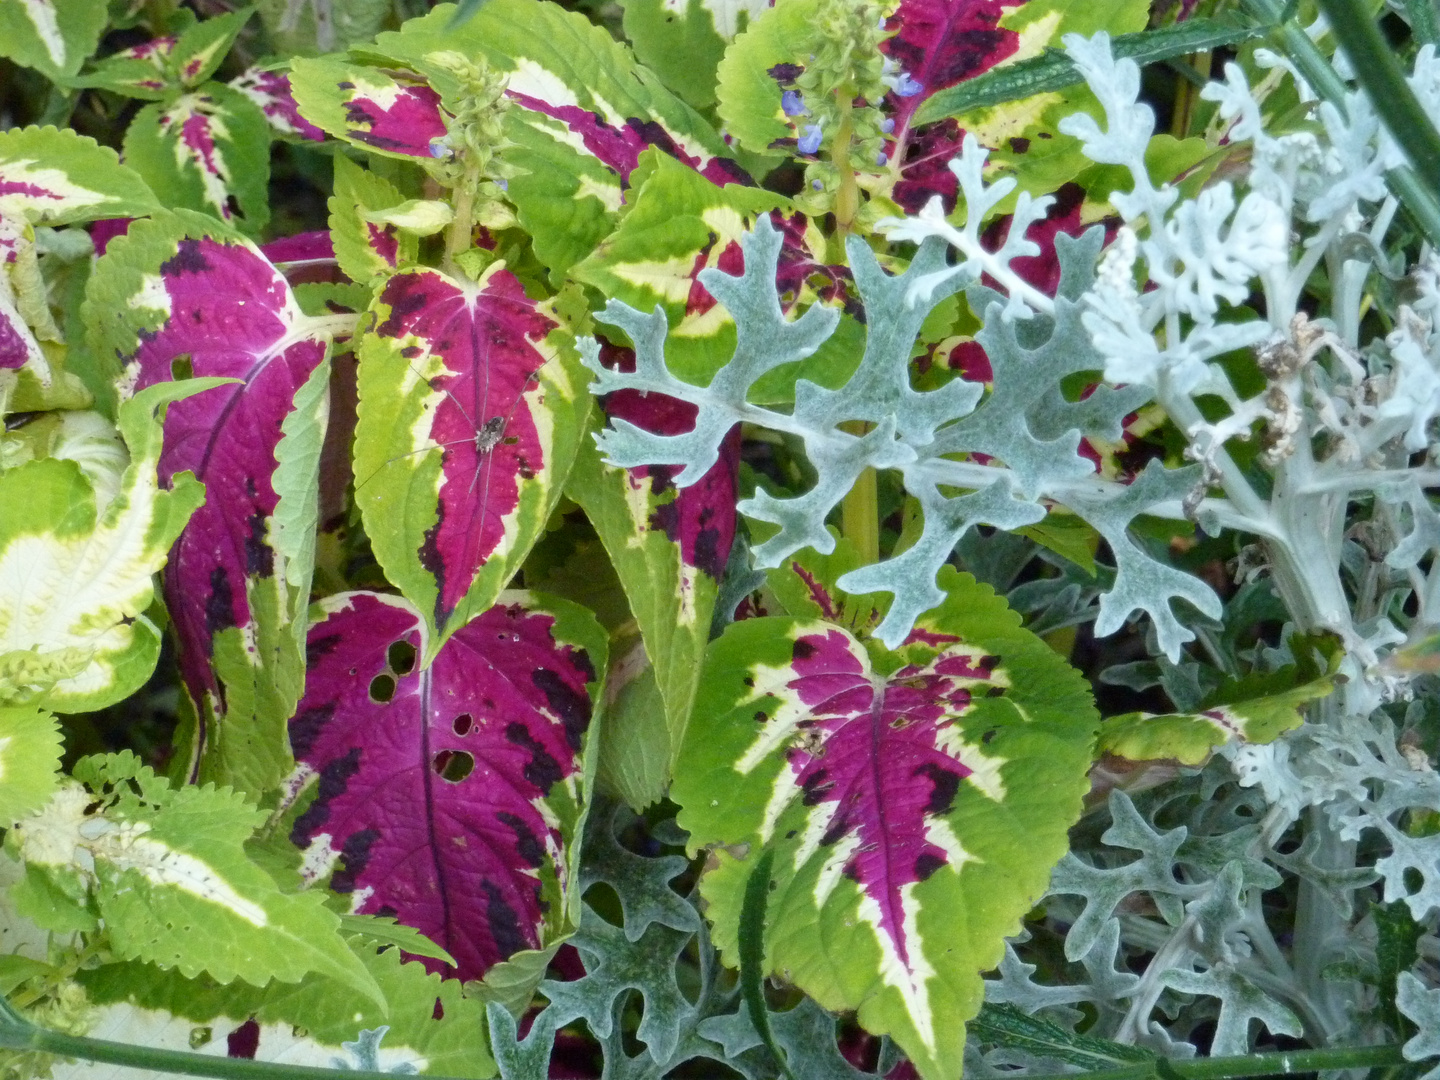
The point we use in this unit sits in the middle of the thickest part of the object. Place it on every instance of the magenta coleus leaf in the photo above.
(181, 296)
(472, 405)
(449, 796)
(937, 44)
(270, 90)
(390, 112)
(915, 801)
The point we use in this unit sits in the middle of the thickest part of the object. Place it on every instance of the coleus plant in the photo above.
(628, 432)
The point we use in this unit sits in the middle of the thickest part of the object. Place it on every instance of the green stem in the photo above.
(847, 198)
(460, 232)
(25, 1036)
(1418, 197)
(1282, 1063)
(860, 511)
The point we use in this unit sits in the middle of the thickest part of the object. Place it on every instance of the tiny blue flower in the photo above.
(817, 185)
(905, 86)
(887, 125)
(793, 103)
(439, 148)
(810, 141)
(503, 184)
(881, 158)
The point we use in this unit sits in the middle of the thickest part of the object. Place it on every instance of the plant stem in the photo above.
(459, 234)
(860, 511)
(847, 198)
(1419, 198)
(1281, 1063)
(25, 1036)
(1378, 72)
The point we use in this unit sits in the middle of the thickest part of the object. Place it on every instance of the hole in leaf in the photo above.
(1414, 880)
(382, 688)
(401, 657)
(181, 367)
(453, 765)
(463, 723)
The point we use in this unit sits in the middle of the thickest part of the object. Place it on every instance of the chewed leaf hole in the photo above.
(453, 765)
(382, 688)
(181, 367)
(401, 657)
(463, 723)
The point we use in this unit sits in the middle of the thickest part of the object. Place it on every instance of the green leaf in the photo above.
(385, 931)
(969, 750)
(296, 480)
(1052, 70)
(53, 36)
(747, 102)
(30, 747)
(752, 953)
(201, 48)
(1067, 535)
(1256, 709)
(366, 250)
(207, 150)
(1009, 1026)
(1397, 937)
(167, 871)
(307, 27)
(306, 1023)
(683, 44)
(61, 177)
(74, 583)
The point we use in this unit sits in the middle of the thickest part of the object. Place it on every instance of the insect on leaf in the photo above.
(450, 796)
(472, 406)
(904, 797)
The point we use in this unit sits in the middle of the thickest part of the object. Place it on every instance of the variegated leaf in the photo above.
(450, 796)
(684, 43)
(270, 90)
(588, 113)
(59, 177)
(367, 249)
(179, 296)
(206, 150)
(916, 803)
(166, 869)
(53, 36)
(472, 406)
(30, 748)
(76, 579)
(381, 111)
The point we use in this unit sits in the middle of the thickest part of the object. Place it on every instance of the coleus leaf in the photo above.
(307, 27)
(381, 111)
(201, 47)
(182, 288)
(472, 407)
(588, 113)
(904, 795)
(76, 579)
(1258, 708)
(429, 1025)
(270, 90)
(937, 44)
(450, 796)
(365, 249)
(53, 36)
(166, 869)
(141, 71)
(30, 748)
(58, 177)
(206, 150)
(683, 46)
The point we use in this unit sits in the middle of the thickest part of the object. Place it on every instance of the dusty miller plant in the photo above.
(1329, 509)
